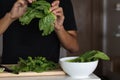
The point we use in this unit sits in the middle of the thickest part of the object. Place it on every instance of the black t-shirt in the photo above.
(24, 41)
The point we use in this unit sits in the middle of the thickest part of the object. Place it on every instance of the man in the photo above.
(24, 41)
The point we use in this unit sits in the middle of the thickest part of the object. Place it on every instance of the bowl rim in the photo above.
(63, 59)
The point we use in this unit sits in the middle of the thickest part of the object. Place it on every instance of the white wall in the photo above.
(63, 52)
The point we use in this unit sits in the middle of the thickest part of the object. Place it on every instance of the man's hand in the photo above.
(58, 11)
(68, 39)
(19, 8)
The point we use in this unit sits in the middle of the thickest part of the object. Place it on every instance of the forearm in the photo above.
(68, 40)
(5, 22)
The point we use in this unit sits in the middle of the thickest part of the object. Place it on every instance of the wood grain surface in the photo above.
(23, 74)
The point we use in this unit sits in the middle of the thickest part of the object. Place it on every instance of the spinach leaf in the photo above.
(40, 9)
(46, 24)
(2, 69)
(90, 56)
(37, 64)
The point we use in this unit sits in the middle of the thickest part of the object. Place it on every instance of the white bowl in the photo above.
(77, 69)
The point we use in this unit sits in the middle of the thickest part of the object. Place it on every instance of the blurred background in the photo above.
(98, 23)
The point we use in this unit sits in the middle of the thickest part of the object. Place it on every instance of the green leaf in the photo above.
(2, 70)
(37, 64)
(40, 9)
(90, 56)
(46, 24)
(101, 55)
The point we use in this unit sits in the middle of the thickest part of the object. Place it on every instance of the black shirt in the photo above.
(24, 41)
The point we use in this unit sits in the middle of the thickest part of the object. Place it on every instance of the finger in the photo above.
(30, 1)
(26, 1)
(58, 10)
(21, 3)
(60, 16)
(56, 3)
(53, 8)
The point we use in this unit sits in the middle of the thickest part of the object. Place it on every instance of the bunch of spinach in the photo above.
(90, 56)
(37, 64)
(40, 9)
(2, 69)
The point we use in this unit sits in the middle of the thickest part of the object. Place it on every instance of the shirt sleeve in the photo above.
(69, 23)
(5, 6)
(1, 9)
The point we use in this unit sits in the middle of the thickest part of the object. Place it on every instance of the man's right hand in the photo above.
(19, 8)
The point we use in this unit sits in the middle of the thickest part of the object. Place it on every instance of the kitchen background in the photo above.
(98, 23)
